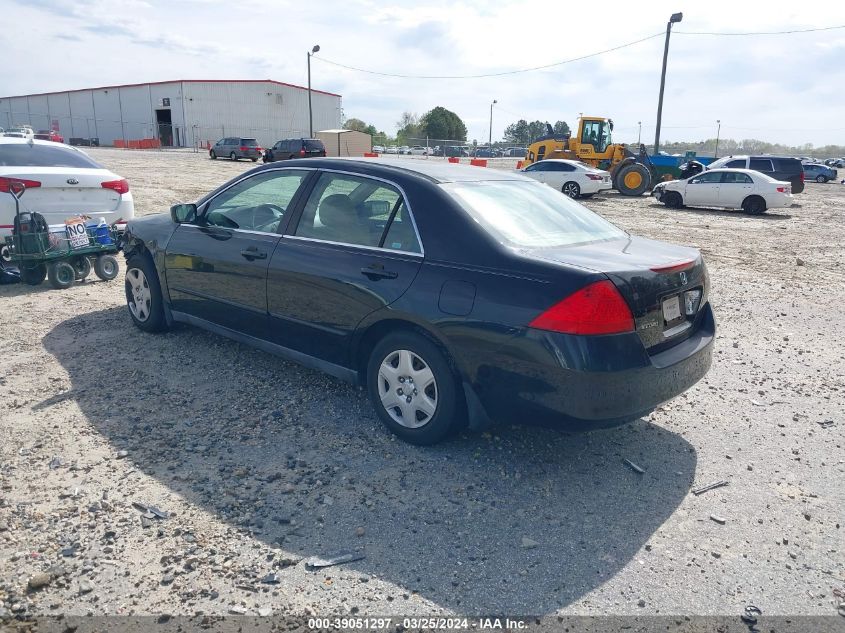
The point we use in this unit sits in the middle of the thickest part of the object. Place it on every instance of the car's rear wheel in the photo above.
(61, 275)
(233, 156)
(413, 388)
(571, 189)
(754, 205)
(821, 178)
(673, 200)
(5, 254)
(212, 155)
(143, 294)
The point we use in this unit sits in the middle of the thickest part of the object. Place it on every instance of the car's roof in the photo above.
(17, 140)
(731, 170)
(433, 170)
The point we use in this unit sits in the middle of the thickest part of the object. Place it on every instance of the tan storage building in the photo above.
(346, 142)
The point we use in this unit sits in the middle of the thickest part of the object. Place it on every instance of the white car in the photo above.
(745, 189)
(391, 149)
(418, 150)
(61, 181)
(378, 149)
(572, 177)
(19, 132)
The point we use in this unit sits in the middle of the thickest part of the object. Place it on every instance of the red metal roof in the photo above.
(177, 81)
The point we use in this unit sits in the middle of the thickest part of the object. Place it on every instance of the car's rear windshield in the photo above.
(36, 155)
(249, 142)
(530, 215)
(313, 144)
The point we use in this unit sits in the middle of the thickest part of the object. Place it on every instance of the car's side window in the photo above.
(536, 167)
(761, 164)
(257, 203)
(401, 235)
(735, 178)
(707, 178)
(353, 210)
(736, 163)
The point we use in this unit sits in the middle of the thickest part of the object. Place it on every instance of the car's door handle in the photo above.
(253, 253)
(377, 271)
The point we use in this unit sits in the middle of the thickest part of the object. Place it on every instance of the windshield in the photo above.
(597, 134)
(530, 215)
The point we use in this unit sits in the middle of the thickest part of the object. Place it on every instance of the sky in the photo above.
(778, 88)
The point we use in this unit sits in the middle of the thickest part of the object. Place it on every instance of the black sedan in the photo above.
(456, 295)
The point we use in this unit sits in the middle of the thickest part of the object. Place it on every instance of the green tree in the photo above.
(355, 124)
(536, 129)
(517, 133)
(407, 128)
(561, 128)
(442, 124)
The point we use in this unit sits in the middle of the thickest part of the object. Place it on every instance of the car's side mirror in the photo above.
(180, 213)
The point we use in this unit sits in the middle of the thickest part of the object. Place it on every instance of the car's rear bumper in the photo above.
(588, 382)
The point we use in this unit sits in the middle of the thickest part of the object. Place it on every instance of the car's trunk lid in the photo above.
(67, 192)
(653, 277)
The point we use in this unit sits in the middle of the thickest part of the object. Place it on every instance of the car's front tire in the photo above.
(413, 388)
(673, 200)
(143, 294)
(233, 156)
(212, 155)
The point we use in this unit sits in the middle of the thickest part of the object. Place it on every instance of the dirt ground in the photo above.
(258, 464)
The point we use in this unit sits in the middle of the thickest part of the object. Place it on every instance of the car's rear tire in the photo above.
(413, 388)
(143, 294)
(571, 189)
(106, 267)
(212, 155)
(233, 156)
(673, 200)
(254, 160)
(82, 267)
(61, 275)
(755, 205)
(5, 254)
(821, 178)
(633, 179)
(33, 274)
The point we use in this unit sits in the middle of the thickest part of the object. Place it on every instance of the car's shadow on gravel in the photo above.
(770, 215)
(521, 520)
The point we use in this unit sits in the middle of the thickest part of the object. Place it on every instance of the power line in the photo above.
(751, 33)
(497, 74)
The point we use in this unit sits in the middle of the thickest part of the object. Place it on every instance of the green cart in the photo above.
(61, 254)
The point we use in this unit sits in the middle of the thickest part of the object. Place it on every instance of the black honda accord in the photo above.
(456, 295)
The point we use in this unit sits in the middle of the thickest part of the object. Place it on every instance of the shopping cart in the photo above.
(63, 254)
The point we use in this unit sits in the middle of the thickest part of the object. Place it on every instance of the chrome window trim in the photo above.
(226, 228)
(334, 171)
(378, 249)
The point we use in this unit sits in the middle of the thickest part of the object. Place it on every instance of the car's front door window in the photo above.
(707, 178)
(257, 203)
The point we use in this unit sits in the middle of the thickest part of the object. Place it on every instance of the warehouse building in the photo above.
(183, 113)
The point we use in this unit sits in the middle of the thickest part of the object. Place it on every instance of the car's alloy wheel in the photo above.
(5, 254)
(233, 156)
(821, 179)
(407, 388)
(572, 189)
(141, 299)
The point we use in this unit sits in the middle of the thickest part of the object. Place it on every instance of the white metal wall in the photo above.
(200, 111)
(266, 111)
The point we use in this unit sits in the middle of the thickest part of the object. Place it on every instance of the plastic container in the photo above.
(101, 233)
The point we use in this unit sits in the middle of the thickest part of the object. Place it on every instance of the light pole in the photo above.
(676, 17)
(639, 132)
(310, 113)
(718, 129)
(490, 138)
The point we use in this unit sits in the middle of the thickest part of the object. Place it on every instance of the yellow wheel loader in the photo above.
(632, 174)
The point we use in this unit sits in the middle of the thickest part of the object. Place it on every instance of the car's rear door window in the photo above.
(761, 164)
(356, 210)
(37, 155)
(258, 203)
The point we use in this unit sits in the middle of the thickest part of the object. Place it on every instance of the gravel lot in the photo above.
(261, 463)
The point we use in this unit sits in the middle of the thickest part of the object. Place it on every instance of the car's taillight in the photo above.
(594, 177)
(302, 152)
(120, 186)
(783, 189)
(6, 183)
(802, 175)
(244, 148)
(594, 309)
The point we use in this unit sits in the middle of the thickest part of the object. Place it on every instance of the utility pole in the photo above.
(676, 17)
(639, 132)
(490, 139)
(310, 113)
(718, 129)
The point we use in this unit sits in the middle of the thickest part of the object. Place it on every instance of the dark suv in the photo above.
(236, 148)
(295, 148)
(778, 167)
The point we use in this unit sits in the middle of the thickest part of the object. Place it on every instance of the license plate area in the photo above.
(673, 315)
